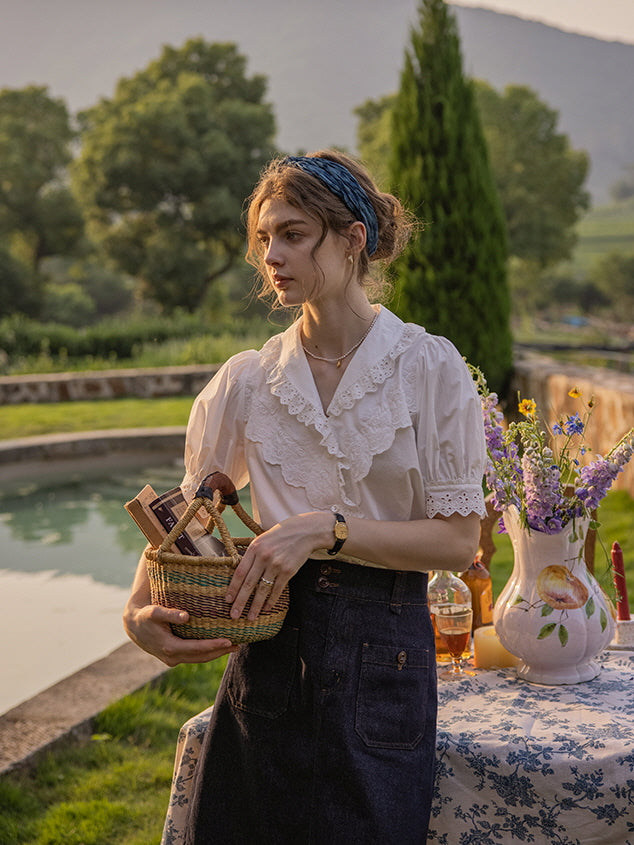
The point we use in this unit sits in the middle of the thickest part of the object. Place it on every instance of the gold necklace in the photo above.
(341, 358)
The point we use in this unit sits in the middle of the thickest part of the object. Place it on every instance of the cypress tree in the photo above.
(452, 276)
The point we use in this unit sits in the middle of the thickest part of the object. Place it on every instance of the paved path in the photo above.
(66, 710)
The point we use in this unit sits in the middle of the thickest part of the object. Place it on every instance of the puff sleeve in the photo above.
(450, 432)
(215, 431)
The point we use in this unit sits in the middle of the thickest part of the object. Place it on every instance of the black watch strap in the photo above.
(341, 534)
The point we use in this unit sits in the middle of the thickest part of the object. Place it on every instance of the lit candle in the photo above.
(618, 573)
(488, 651)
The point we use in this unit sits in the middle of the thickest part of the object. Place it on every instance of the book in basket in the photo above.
(190, 569)
(156, 516)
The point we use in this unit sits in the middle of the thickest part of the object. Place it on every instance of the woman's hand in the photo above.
(149, 628)
(272, 559)
(148, 625)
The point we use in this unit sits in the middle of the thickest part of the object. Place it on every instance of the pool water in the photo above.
(68, 553)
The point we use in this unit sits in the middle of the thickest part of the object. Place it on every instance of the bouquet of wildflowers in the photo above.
(542, 475)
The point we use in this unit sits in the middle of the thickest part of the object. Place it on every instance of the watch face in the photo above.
(341, 530)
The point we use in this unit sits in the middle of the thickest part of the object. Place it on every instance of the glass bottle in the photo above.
(478, 579)
(445, 588)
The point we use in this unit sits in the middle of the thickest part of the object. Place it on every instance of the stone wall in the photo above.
(548, 382)
(537, 377)
(105, 384)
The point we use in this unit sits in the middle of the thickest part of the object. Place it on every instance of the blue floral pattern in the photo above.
(516, 762)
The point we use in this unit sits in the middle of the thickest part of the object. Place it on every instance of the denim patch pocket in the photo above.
(393, 698)
(260, 675)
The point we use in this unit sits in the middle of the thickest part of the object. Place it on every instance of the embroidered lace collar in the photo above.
(289, 376)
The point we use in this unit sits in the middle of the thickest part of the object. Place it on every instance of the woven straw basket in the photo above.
(198, 584)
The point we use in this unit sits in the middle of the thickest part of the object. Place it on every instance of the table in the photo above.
(516, 762)
(519, 762)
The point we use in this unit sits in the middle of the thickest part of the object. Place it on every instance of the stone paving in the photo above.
(65, 711)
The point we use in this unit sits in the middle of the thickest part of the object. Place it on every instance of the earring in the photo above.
(351, 259)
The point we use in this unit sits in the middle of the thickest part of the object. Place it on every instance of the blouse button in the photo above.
(401, 657)
(323, 582)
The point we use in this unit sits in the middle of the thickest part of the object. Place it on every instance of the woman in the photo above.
(361, 438)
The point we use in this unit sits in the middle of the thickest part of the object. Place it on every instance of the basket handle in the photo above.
(221, 482)
(218, 481)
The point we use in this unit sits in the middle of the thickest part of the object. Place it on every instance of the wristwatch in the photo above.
(340, 530)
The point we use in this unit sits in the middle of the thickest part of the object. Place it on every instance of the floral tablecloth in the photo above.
(516, 762)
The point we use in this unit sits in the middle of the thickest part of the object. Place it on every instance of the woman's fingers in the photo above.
(153, 633)
(269, 563)
(261, 596)
(255, 586)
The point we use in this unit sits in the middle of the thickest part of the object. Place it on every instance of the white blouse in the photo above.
(401, 439)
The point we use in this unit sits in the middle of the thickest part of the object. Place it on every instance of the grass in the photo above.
(605, 229)
(198, 349)
(64, 417)
(114, 789)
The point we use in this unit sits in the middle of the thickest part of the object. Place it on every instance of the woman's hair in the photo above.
(282, 180)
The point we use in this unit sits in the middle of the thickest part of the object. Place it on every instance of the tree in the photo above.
(613, 275)
(452, 276)
(539, 177)
(16, 294)
(165, 166)
(38, 215)
(623, 188)
(374, 136)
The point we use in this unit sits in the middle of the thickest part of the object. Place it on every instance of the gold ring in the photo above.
(266, 581)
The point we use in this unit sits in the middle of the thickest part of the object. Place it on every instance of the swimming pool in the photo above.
(68, 552)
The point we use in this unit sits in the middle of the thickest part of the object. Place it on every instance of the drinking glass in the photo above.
(454, 626)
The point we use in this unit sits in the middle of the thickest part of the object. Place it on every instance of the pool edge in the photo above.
(65, 711)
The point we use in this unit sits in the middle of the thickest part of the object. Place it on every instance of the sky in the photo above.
(612, 20)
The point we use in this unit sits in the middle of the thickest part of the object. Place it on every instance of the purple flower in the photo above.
(596, 478)
(574, 425)
(523, 470)
(542, 490)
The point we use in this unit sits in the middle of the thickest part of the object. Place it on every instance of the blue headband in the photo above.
(342, 183)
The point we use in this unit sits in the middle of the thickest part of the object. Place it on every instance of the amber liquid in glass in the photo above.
(456, 640)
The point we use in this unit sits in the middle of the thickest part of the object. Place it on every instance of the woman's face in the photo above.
(296, 271)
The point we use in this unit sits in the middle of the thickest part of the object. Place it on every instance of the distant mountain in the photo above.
(588, 81)
(323, 59)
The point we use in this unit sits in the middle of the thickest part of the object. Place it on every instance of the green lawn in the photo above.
(602, 230)
(114, 789)
(33, 420)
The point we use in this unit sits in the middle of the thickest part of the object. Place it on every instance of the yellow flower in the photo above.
(574, 393)
(528, 407)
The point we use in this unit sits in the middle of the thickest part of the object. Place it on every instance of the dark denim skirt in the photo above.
(325, 734)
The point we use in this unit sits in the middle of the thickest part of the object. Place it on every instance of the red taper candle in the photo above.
(618, 573)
